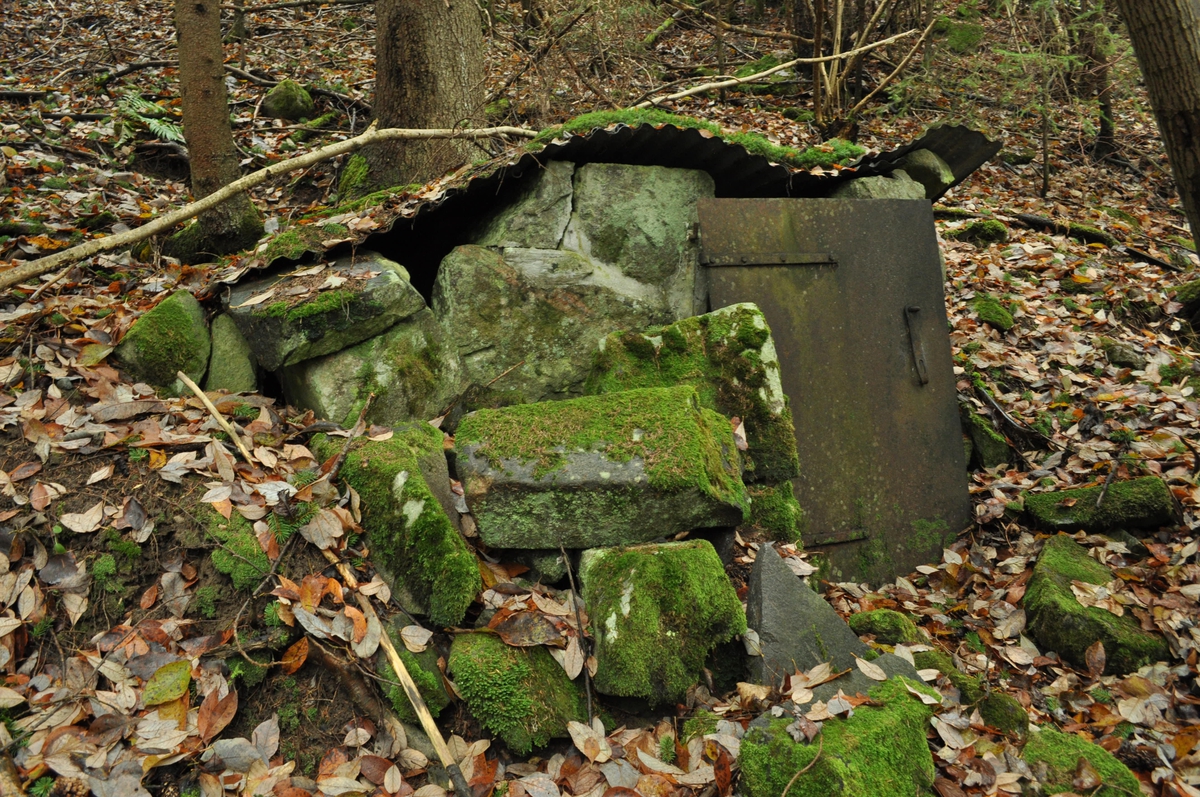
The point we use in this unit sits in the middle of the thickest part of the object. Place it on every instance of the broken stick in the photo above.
(217, 416)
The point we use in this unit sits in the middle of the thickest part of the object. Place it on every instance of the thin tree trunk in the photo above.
(1166, 38)
(234, 225)
(428, 73)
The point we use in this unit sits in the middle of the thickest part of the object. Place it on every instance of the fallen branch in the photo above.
(722, 84)
(167, 221)
(537, 56)
(1089, 235)
(295, 4)
(217, 416)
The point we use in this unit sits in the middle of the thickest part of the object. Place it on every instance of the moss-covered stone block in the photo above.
(897, 185)
(1144, 503)
(1059, 622)
(887, 626)
(231, 366)
(520, 694)
(288, 100)
(237, 553)
(1123, 354)
(879, 751)
(1054, 758)
(983, 232)
(601, 470)
(412, 370)
(170, 337)
(989, 448)
(1000, 711)
(410, 528)
(282, 333)
(423, 668)
(538, 217)
(729, 356)
(775, 510)
(928, 169)
(989, 310)
(657, 611)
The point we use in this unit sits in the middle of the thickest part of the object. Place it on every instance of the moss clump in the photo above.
(681, 448)
(520, 694)
(322, 303)
(424, 671)
(1054, 757)
(729, 357)
(775, 510)
(989, 309)
(887, 626)
(238, 554)
(657, 611)
(989, 448)
(300, 239)
(984, 232)
(835, 151)
(1059, 622)
(1144, 503)
(410, 531)
(169, 338)
(754, 67)
(877, 752)
(251, 675)
(104, 573)
(702, 723)
(998, 710)
(354, 176)
(205, 602)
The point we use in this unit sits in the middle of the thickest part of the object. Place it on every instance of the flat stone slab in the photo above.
(615, 469)
(1144, 503)
(657, 611)
(1059, 622)
(729, 356)
(327, 321)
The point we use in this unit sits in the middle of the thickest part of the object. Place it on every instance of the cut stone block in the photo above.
(169, 338)
(657, 611)
(897, 185)
(407, 512)
(539, 217)
(411, 368)
(1057, 620)
(729, 357)
(1144, 503)
(328, 321)
(877, 752)
(530, 320)
(520, 694)
(231, 366)
(602, 470)
(989, 447)
(1054, 758)
(796, 628)
(775, 510)
(928, 169)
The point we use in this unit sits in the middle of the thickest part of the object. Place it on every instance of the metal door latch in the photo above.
(912, 319)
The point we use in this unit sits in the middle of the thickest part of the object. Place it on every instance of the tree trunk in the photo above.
(428, 73)
(1166, 38)
(212, 155)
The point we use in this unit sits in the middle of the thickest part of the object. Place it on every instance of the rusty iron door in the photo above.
(852, 289)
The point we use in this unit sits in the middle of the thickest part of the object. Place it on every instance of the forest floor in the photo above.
(104, 551)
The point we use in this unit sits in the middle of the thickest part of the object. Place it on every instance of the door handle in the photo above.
(912, 319)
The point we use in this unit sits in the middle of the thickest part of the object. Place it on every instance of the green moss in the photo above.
(989, 448)
(986, 231)
(1140, 503)
(271, 615)
(887, 626)
(666, 749)
(999, 711)
(1059, 622)
(727, 357)
(104, 573)
(238, 554)
(963, 37)
(877, 752)
(300, 239)
(251, 675)
(167, 339)
(354, 176)
(657, 611)
(775, 510)
(128, 550)
(1060, 752)
(205, 601)
(409, 531)
(681, 449)
(754, 67)
(989, 309)
(322, 303)
(700, 724)
(520, 694)
(424, 671)
(835, 151)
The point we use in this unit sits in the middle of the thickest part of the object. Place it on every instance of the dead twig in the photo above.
(537, 56)
(217, 416)
(363, 696)
(807, 767)
(575, 598)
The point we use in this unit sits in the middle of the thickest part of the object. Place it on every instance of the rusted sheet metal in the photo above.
(860, 326)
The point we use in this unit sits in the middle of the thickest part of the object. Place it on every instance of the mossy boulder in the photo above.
(411, 368)
(897, 185)
(528, 322)
(1144, 503)
(999, 710)
(231, 366)
(775, 510)
(284, 333)
(288, 100)
(169, 338)
(601, 470)
(887, 626)
(729, 356)
(657, 611)
(879, 751)
(237, 553)
(520, 694)
(983, 232)
(1059, 622)
(407, 512)
(989, 448)
(1123, 354)
(989, 310)
(928, 169)
(1054, 758)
